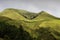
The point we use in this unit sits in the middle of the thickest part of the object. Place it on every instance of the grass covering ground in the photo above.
(32, 22)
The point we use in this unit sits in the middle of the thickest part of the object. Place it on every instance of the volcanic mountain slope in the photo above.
(32, 22)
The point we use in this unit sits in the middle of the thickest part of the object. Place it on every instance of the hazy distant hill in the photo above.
(40, 26)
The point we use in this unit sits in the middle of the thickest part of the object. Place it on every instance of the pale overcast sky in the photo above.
(51, 6)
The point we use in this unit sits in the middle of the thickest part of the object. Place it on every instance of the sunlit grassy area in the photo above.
(31, 22)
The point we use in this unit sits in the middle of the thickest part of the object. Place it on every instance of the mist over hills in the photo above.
(24, 25)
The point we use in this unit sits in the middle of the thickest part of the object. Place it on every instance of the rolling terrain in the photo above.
(38, 26)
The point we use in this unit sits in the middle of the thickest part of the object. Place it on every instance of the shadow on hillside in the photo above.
(45, 34)
(10, 32)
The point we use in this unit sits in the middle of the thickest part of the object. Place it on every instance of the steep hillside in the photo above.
(44, 15)
(12, 30)
(33, 23)
(18, 14)
(12, 14)
(9, 21)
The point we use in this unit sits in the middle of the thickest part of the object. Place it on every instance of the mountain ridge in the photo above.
(29, 15)
(31, 25)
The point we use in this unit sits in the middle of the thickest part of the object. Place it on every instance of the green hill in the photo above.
(12, 30)
(33, 23)
(20, 13)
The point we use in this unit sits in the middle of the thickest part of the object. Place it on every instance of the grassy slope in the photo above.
(50, 21)
(12, 14)
(42, 19)
(9, 21)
